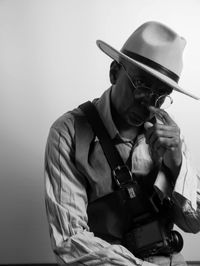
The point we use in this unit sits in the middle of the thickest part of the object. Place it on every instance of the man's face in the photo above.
(134, 91)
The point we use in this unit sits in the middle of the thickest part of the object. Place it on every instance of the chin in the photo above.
(136, 120)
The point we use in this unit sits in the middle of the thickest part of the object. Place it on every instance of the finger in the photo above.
(119, 260)
(149, 132)
(162, 115)
(148, 125)
(160, 139)
(166, 143)
(160, 151)
(157, 131)
(164, 131)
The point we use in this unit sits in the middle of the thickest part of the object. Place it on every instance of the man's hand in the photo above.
(164, 140)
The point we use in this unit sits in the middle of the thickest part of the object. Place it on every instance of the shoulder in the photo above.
(65, 124)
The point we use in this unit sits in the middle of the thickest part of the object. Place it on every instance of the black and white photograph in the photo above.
(100, 126)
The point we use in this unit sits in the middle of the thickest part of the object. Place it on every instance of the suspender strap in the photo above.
(120, 170)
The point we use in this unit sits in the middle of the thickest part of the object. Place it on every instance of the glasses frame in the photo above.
(152, 94)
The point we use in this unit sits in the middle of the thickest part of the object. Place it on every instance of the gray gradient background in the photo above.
(49, 63)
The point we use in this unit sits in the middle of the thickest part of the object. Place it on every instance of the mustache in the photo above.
(141, 112)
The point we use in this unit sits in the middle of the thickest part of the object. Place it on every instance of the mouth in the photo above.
(136, 119)
(140, 114)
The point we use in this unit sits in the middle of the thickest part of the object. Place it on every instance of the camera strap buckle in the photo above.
(121, 173)
(124, 179)
(131, 192)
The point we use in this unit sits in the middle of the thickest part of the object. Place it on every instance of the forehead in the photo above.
(149, 80)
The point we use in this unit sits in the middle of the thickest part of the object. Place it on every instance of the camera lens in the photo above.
(176, 241)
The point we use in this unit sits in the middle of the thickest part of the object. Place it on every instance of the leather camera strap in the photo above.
(118, 167)
(111, 153)
(121, 173)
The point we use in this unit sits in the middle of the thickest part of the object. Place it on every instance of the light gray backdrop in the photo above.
(49, 63)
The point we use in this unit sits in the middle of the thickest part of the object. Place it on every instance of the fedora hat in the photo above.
(154, 48)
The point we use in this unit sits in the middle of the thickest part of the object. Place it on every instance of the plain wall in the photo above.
(49, 63)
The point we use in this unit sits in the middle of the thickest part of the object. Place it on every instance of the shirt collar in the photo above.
(103, 106)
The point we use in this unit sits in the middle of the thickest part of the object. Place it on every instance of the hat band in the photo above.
(152, 64)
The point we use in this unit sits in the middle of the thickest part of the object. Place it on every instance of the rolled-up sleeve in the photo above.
(66, 204)
(186, 195)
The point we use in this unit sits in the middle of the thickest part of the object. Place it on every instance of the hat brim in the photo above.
(119, 57)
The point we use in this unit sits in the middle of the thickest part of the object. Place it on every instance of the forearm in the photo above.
(83, 249)
(184, 192)
(185, 217)
(173, 160)
(74, 245)
(186, 197)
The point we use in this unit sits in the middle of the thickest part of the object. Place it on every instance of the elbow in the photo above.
(196, 229)
(192, 227)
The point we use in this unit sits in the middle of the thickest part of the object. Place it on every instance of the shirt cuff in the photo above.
(186, 183)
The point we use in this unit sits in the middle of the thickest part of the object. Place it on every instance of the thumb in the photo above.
(147, 125)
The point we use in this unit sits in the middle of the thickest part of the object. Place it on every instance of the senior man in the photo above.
(117, 172)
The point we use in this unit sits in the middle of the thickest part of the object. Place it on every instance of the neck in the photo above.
(125, 130)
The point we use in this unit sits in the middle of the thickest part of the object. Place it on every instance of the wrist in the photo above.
(173, 160)
(172, 172)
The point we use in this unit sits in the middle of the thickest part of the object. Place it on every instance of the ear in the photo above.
(114, 71)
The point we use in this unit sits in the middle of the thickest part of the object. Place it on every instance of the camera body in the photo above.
(154, 237)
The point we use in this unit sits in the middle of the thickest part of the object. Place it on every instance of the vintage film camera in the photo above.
(153, 237)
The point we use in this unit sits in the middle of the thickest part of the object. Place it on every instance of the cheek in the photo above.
(126, 97)
(123, 96)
